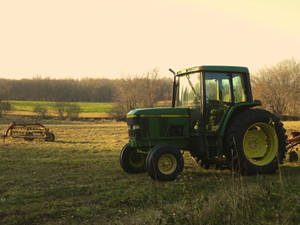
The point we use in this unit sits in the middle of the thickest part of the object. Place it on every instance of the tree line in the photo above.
(72, 90)
(277, 86)
(134, 91)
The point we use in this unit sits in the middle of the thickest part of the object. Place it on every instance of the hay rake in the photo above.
(29, 132)
(293, 140)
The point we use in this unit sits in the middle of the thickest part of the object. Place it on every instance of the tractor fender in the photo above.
(237, 108)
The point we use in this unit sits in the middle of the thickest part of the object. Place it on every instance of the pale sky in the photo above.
(113, 38)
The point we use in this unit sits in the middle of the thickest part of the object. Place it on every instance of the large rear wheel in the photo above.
(164, 162)
(255, 142)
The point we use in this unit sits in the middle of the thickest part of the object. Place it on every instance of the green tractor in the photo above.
(213, 116)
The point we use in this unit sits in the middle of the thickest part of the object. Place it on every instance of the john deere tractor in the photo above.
(214, 117)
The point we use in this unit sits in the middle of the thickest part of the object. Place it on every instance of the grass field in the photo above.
(77, 180)
(86, 107)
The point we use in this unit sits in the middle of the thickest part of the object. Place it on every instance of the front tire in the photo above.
(164, 162)
(255, 142)
(131, 161)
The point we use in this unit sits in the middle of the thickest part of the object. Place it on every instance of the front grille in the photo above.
(134, 134)
(138, 133)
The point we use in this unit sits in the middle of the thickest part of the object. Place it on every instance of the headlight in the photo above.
(135, 127)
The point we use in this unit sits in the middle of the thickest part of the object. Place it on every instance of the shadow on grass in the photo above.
(287, 170)
(291, 169)
(203, 173)
(75, 142)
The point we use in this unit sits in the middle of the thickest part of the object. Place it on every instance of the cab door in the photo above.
(218, 98)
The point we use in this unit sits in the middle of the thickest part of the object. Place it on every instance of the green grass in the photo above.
(78, 180)
(86, 107)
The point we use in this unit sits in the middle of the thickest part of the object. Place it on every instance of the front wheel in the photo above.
(164, 162)
(131, 161)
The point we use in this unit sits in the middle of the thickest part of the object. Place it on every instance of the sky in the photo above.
(116, 38)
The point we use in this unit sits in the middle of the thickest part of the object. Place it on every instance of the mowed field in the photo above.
(88, 109)
(78, 180)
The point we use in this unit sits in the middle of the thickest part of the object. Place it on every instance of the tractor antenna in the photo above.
(172, 71)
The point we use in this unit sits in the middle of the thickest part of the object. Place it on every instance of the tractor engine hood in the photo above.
(160, 112)
(152, 126)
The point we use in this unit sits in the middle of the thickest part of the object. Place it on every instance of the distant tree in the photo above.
(66, 110)
(60, 108)
(5, 107)
(41, 111)
(278, 87)
(72, 111)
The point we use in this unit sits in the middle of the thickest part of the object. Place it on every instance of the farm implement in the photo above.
(29, 132)
(293, 140)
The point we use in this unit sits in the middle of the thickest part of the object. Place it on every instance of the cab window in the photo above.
(239, 90)
(189, 90)
(217, 86)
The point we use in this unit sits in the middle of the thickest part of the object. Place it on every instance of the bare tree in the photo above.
(41, 111)
(66, 110)
(278, 87)
(138, 92)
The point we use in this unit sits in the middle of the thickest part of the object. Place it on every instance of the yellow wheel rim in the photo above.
(136, 159)
(260, 143)
(167, 163)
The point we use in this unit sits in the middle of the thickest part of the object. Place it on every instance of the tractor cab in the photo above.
(210, 91)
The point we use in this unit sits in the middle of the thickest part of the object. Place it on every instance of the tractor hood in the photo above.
(159, 112)
(152, 126)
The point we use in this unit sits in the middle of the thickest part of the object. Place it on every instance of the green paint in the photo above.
(226, 121)
(159, 125)
(231, 111)
(156, 112)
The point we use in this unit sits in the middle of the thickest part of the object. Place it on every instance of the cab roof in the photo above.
(211, 68)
